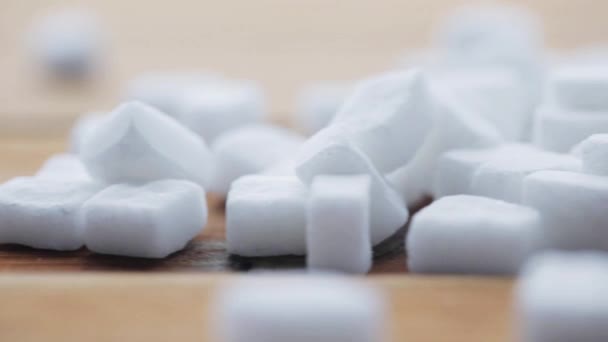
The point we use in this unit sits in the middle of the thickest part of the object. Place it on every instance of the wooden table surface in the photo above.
(283, 44)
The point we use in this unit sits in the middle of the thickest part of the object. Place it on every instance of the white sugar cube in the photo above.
(85, 126)
(335, 156)
(455, 169)
(559, 130)
(250, 149)
(387, 117)
(289, 308)
(560, 298)
(212, 109)
(137, 143)
(64, 166)
(266, 216)
(454, 127)
(470, 234)
(285, 167)
(572, 206)
(164, 90)
(496, 94)
(593, 152)
(581, 87)
(149, 221)
(338, 230)
(68, 42)
(43, 213)
(317, 104)
(502, 178)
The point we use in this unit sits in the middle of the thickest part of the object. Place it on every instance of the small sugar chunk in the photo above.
(335, 156)
(85, 126)
(139, 144)
(593, 152)
(581, 87)
(560, 298)
(250, 149)
(165, 90)
(63, 167)
(317, 104)
(148, 221)
(573, 207)
(338, 231)
(559, 130)
(285, 167)
(454, 127)
(67, 42)
(502, 178)
(217, 107)
(386, 117)
(473, 235)
(266, 216)
(289, 308)
(43, 213)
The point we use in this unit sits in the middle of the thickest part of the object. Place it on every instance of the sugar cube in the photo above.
(63, 166)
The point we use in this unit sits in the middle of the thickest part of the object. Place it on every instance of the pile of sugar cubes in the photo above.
(513, 150)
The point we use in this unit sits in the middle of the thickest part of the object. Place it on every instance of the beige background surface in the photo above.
(284, 44)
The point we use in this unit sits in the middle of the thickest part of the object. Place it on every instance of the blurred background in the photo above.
(282, 44)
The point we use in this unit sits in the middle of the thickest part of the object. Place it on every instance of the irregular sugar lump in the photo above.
(336, 156)
(387, 117)
(573, 207)
(593, 152)
(147, 221)
(454, 127)
(266, 216)
(560, 298)
(63, 166)
(84, 126)
(502, 178)
(43, 213)
(250, 149)
(217, 107)
(139, 144)
(279, 308)
(338, 228)
(318, 103)
(472, 235)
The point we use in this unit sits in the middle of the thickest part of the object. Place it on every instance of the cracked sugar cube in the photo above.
(455, 127)
(559, 298)
(43, 213)
(338, 230)
(581, 87)
(67, 42)
(336, 156)
(278, 308)
(137, 143)
(218, 107)
(502, 178)
(472, 235)
(593, 152)
(318, 103)
(573, 208)
(386, 117)
(266, 216)
(147, 221)
(559, 130)
(250, 149)
(63, 167)
(164, 90)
